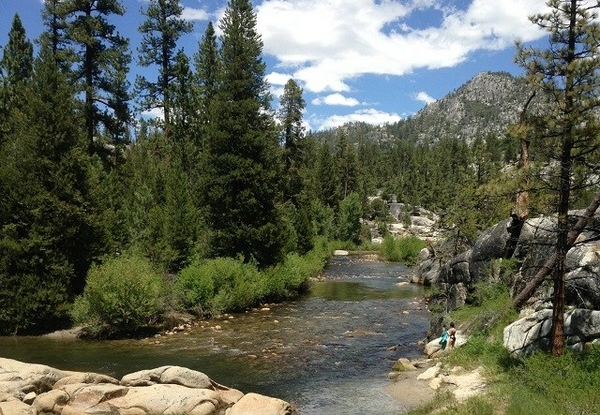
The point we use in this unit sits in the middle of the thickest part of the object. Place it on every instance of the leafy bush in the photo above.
(122, 296)
(219, 285)
(227, 285)
(290, 278)
(405, 249)
(238, 286)
(348, 224)
(194, 289)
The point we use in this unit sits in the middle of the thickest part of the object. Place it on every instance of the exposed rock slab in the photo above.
(532, 332)
(38, 389)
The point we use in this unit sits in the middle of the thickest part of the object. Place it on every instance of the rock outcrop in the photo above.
(458, 275)
(526, 335)
(38, 389)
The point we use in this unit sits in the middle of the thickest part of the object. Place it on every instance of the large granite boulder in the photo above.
(532, 332)
(536, 244)
(37, 389)
(457, 275)
(255, 404)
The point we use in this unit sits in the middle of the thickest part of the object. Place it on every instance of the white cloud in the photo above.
(424, 97)
(370, 116)
(328, 43)
(278, 79)
(154, 113)
(336, 99)
(192, 14)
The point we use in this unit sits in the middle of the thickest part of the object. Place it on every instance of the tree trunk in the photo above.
(564, 192)
(520, 211)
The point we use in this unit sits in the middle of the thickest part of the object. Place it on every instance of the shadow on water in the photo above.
(328, 352)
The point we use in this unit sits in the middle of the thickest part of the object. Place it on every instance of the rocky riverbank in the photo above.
(415, 382)
(27, 389)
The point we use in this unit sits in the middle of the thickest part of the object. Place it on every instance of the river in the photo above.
(327, 353)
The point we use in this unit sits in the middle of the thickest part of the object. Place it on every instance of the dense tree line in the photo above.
(221, 174)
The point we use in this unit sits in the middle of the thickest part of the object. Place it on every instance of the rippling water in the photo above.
(327, 353)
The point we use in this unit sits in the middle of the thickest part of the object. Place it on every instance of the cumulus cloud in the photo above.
(336, 99)
(424, 97)
(370, 116)
(192, 14)
(328, 43)
(154, 113)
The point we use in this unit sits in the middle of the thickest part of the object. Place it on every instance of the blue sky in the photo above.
(375, 61)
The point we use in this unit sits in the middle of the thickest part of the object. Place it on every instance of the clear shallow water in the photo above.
(327, 353)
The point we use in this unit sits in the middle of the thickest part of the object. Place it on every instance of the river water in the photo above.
(327, 353)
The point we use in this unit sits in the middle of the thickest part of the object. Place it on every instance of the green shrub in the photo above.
(404, 249)
(194, 289)
(220, 285)
(290, 278)
(123, 295)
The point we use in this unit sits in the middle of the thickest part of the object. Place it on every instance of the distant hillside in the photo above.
(486, 104)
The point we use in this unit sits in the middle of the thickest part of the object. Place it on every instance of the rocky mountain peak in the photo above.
(486, 104)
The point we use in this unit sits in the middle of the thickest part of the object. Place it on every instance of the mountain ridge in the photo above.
(486, 104)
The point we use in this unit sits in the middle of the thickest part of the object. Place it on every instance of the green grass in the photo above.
(538, 384)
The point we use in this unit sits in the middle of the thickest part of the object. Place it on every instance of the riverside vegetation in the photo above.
(536, 384)
(126, 296)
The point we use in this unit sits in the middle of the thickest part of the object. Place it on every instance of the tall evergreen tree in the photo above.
(161, 30)
(101, 65)
(242, 151)
(182, 108)
(47, 236)
(290, 116)
(206, 62)
(55, 35)
(568, 73)
(326, 181)
(17, 58)
(346, 164)
(16, 69)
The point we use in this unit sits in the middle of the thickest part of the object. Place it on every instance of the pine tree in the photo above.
(290, 116)
(17, 59)
(346, 165)
(326, 178)
(206, 62)
(47, 235)
(161, 30)
(182, 109)
(101, 65)
(55, 35)
(241, 185)
(568, 74)
(16, 69)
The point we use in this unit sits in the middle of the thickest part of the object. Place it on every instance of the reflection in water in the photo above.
(328, 352)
